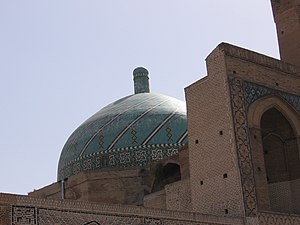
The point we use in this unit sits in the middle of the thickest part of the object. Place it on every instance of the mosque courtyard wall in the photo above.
(16, 209)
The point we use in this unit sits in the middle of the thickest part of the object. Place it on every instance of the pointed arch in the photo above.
(260, 106)
(274, 128)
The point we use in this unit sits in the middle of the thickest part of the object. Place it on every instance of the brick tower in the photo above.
(287, 18)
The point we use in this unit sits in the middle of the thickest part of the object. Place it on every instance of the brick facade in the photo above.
(241, 164)
(27, 211)
(287, 19)
(223, 174)
(246, 79)
(178, 196)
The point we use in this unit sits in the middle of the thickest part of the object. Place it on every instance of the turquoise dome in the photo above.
(133, 131)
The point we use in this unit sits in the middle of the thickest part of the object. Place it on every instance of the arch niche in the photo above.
(274, 128)
(166, 174)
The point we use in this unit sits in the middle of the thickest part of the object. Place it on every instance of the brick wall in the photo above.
(261, 69)
(45, 212)
(115, 186)
(155, 200)
(281, 197)
(279, 77)
(178, 196)
(183, 158)
(295, 187)
(214, 172)
(287, 18)
(220, 140)
(267, 218)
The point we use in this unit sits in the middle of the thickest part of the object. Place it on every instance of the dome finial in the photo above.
(141, 80)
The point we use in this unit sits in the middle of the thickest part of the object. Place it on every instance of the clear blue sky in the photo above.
(63, 60)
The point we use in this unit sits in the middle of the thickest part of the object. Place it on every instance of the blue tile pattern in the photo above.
(133, 131)
(254, 91)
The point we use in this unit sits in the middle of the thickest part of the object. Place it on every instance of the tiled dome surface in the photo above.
(133, 131)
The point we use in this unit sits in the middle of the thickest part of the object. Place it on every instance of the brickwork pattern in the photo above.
(178, 196)
(262, 70)
(155, 200)
(251, 76)
(257, 76)
(4, 215)
(116, 186)
(268, 218)
(48, 216)
(24, 215)
(45, 212)
(295, 187)
(214, 171)
(280, 197)
(243, 95)
(287, 18)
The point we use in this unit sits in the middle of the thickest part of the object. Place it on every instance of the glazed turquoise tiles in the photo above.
(254, 92)
(133, 131)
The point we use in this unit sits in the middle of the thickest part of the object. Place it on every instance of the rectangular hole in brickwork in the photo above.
(225, 175)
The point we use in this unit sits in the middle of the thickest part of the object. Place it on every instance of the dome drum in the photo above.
(119, 158)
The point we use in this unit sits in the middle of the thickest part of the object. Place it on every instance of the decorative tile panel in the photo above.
(243, 94)
(152, 221)
(157, 154)
(254, 92)
(124, 157)
(243, 145)
(169, 134)
(141, 156)
(101, 142)
(134, 136)
(23, 215)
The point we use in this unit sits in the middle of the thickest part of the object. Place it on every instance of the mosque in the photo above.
(229, 155)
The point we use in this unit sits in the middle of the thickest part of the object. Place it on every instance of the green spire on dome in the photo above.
(141, 80)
